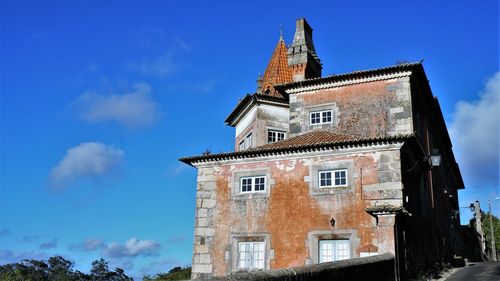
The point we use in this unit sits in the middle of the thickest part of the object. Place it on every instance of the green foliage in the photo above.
(176, 273)
(59, 269)
(485, 219)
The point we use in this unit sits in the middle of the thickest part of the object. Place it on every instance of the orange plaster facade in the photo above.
(289, 211)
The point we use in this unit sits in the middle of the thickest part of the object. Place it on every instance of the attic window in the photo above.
(321, 117)
(245, 143)
(274, 136)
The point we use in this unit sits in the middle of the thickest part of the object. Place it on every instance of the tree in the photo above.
(100, 272)
(59, 269)
(485, 220)
(27, 270)
(176, 273)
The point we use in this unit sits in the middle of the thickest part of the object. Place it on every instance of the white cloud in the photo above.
(86, 160)
(132, 248)
(90, 244)
(133, 109)
(475, 132)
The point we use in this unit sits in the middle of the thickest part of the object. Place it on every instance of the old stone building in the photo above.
(328, 168)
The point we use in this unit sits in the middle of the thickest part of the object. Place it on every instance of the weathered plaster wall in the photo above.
(259, 120)
(292, 214)
(373, 109)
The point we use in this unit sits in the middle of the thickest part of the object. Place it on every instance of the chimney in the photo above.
(302, 57)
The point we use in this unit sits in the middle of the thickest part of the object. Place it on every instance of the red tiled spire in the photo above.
(277, 71)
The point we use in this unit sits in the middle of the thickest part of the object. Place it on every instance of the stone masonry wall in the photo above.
(371, 109)
(293, 213)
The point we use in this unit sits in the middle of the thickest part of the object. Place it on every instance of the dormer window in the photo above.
(274, 136)
(245, 143)
(321, 117)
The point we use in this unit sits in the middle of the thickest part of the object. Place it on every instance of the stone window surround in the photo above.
(333, 178)
(321, 107)
(322, 115)
(313, 237)
(231, 255)
(235, 183)
(313, 178)
(253, 184)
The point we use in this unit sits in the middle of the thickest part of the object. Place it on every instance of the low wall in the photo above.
(380, 268)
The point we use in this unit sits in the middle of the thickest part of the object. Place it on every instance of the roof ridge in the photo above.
(346, 74)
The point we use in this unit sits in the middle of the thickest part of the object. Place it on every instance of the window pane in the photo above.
(326, 250)
(341, 177)
(270, 137)
(260, 184)
(342, 250)
(246, 184)
(315, 118)
(325, 178)
(281, 136)
(327, 116)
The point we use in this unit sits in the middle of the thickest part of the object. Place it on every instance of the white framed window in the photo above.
(320, 117)
(274, 136)
(332, 178)
(253, 184)
(333, 250)
(251, 255)
(245, 143)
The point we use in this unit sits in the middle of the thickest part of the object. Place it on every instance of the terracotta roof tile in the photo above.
(311, 141)
(277, 71)
(310, 138)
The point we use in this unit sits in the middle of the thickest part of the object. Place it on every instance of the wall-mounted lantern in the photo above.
(332, 222)
(472, 207)
(435, 158)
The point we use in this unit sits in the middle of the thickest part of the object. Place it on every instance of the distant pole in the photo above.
(493, 246)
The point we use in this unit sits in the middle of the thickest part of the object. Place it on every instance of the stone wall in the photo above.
(368, 109)
(380, 268)
(293, 213)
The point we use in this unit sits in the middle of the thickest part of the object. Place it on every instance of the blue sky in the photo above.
(100, 98)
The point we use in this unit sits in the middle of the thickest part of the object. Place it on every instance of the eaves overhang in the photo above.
(248, 102)
(350, 78)
(261, 152)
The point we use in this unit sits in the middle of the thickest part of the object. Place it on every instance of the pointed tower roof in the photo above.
(277, 71)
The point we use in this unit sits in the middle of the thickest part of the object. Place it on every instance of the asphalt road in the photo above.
(480, 271)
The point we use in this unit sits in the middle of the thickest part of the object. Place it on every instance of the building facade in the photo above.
(329, 168)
